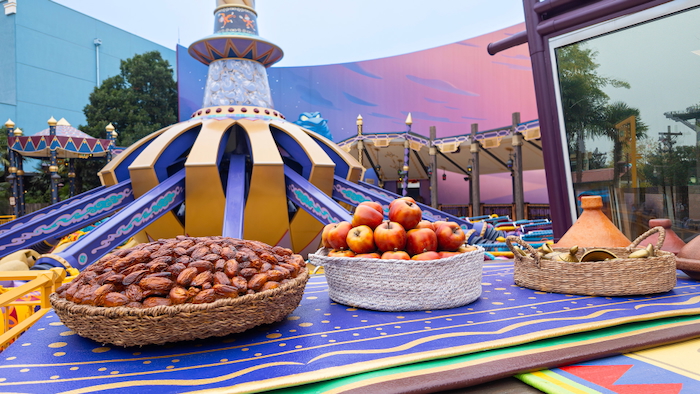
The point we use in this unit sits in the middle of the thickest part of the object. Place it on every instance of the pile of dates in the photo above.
(182, 270)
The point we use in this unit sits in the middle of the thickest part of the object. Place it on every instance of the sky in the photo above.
(316, 32)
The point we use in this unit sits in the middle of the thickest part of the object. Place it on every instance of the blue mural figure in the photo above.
(314, 121)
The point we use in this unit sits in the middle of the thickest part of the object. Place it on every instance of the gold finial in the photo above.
(18, 132)
(52, 122)
(62, 122)
(409, 120)
(9, 124)
(115, 135)
(359, 120)
(109, 128)
(250, 4)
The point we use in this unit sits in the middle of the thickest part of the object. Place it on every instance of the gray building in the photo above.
(52, 57)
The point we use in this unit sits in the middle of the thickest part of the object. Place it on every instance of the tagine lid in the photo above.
(593, 228)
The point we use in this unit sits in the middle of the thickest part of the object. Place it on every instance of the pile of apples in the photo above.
(405, 236)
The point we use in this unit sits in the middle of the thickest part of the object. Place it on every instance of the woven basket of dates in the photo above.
(180, 289)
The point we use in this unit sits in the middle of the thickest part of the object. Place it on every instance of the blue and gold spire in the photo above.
(237, 57)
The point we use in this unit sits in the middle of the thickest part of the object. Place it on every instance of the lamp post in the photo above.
(433, 167)
(406, 153)
(20, 176)
(11, 169)
(518, 192)
(474, 176)
(112, 137)
(53, 167)
(360, 142)
(71, 176)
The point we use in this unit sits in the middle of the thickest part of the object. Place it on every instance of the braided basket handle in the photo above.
(659, 242)
(509, 242)
(320, 252)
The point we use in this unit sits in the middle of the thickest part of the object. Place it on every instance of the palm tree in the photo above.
(611, 115)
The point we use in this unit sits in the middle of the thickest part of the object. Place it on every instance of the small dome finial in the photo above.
(52, 121)
(9, 124)
(228, 3)
(409, 119)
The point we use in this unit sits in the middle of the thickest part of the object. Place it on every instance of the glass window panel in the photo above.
(631, 112)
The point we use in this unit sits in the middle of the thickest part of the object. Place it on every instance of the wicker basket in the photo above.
(403, 285)
(622, 276)
(161, 324)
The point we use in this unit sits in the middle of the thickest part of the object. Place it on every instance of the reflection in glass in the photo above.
(631, 109)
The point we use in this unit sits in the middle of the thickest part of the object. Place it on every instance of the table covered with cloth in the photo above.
(327, 347)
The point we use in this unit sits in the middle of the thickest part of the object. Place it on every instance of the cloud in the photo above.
(358, 100)
(519, 57)
(514, 66)
(439, 85)
(358, 69)
(434, 101)
(378, 115)
(313, 97)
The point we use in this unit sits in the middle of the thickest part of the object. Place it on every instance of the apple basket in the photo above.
(402, 285)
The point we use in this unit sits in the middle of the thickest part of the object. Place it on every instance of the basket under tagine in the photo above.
(182, 289)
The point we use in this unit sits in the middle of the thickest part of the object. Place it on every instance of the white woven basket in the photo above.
(402, 285)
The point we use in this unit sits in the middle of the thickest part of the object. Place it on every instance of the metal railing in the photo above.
(6, 218)
(45, 282)
(532, 211)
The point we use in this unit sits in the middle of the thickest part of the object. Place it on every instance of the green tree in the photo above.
(583, 98)
(138, 101)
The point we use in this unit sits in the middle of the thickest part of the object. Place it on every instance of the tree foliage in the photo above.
(586, 107)
(139, 100)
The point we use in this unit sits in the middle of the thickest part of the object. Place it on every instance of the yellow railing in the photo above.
(6, 218)
(45, 282)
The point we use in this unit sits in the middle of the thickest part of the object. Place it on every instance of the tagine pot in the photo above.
(672, 242)
(687, 259)
(593, 228)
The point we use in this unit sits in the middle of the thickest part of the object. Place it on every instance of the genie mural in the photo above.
(314, 121)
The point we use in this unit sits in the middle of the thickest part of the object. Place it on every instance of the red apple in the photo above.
(341, 253)
(361, 239)
(426, 256)
(398, 255)
(406, 198)
(368, 255)
(374, 205)
(448, 254)
(425, 224)
(366, 214)
(450, 236)
(338, 234)
(390, 236)
(324, 235)
(405, 213)
(420, 240)
(438, 223)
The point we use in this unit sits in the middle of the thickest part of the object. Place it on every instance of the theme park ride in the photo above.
(237, 168)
